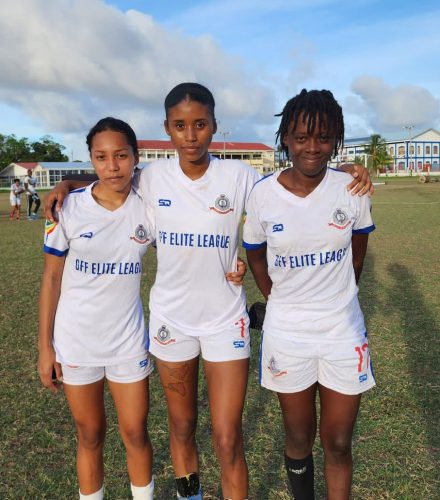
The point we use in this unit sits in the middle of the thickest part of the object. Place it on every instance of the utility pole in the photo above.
(224, 134)
(409, 129)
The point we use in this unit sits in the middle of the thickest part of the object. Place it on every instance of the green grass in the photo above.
(397, 440)
(408, 180)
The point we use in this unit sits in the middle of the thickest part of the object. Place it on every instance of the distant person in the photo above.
(15, 199)
(306, 238)
(30, 185)
(91, 315)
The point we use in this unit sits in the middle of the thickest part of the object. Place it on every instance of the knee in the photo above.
(134, 436)
(228, 444)
(91, 437)
(299, 444)
(183, 429)
(337, 447)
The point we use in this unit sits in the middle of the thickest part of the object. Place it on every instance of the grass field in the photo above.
(397, 439)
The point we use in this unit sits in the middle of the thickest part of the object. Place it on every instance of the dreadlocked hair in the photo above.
(313, 105)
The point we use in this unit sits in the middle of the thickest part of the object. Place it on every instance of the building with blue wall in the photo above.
(417, 154)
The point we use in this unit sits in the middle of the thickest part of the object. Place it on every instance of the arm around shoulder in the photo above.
(54, 200)
(361, 183)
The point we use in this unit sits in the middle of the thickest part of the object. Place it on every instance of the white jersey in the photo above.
(16, 190)
(31, 184)
(15, 194)
(197, 234)
(309, 256)
(99, 319)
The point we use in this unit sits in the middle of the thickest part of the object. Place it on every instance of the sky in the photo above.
(64, 64)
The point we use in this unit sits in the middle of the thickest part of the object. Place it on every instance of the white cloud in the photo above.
(388, 108)
(67, 63)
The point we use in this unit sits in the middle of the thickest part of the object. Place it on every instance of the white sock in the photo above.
(143, 492)
(98, 495)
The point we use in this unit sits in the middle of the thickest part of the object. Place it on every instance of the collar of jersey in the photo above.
(206, 177)
(293, 198)
(111, 213)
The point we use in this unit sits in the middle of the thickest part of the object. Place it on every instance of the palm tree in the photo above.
(280, 158)
(377, 153)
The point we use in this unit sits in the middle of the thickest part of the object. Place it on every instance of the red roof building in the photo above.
(256, 154)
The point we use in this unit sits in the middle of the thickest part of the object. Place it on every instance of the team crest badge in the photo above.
(340, 219)
(163, 336)
(222, 205)
(140, 235)
(273, 368)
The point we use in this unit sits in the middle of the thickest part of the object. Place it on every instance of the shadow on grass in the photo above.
(371, 305)
(422, 335)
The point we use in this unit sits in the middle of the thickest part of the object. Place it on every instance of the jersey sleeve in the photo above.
(254, 235)
(252, 178)
(55, 238)
(364, 223)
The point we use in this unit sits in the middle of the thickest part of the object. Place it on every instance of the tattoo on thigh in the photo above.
(181, 375)
(179, 388)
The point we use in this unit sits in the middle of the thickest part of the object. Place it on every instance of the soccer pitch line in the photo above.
(406, 202)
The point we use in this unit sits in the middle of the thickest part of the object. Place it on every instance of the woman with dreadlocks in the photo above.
(306, 240)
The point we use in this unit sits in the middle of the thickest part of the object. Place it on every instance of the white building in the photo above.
(417, 154)
(256, 154)
(47, 173)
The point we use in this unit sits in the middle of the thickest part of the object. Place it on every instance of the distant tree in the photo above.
(46, 149)
(13, 150)
(359, 159)
(378, 156)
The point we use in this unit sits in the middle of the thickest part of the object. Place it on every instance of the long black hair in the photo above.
(313, 105)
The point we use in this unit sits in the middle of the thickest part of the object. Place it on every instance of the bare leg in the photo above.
(87, 406)
(227, 383)
(180, 383)
(338, 417)
(132, 405)
(299, 415)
